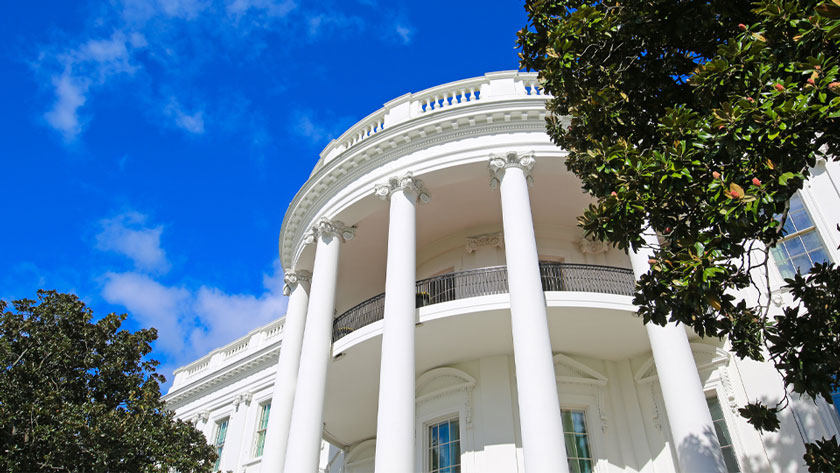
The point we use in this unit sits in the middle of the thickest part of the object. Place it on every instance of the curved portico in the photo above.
(449, 137)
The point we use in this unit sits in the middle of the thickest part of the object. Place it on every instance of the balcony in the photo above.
(488, 281)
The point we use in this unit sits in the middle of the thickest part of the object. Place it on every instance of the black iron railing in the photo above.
(493, 280)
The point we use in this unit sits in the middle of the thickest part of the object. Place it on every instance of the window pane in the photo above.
(574, 466)
(714, 408)
(722, 434)
(579, 422)
(801, 220)
(455, 431)
(570, 445)
(794, 247)
(585, 466)
(435, 463)
(455, 453)
(444, 433)
(731, 461)
(435, 439)
(567, 420)
(802, 263)
(811, 241)
(582, 446)
(818, 256)
(445, 459)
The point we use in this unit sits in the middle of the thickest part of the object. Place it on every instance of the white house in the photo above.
(446, 315)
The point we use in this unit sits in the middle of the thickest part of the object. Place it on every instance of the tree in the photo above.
(699, 120)
(79, 396)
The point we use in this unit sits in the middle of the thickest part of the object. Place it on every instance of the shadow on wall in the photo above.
(695, 450)
(785, 448)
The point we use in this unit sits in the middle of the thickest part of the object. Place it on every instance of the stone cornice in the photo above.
(522, 114)
(253, 363)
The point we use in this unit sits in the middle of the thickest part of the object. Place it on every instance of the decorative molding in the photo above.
(243, 398)
(485, 239)
(500, 162)
(405, 183)
(442, 382)
(202, 417)
(575, 372)
(657, 417)
(293, 278)
(325, 227)
(729, 390)
(589, 246)
(346, 168)
(706, 358)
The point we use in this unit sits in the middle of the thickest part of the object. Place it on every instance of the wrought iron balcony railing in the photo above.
(488, 281)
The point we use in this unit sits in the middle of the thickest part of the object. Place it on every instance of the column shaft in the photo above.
(395, 418)
(692, 429)
(539, 406)
(304, 444)
(285, 381)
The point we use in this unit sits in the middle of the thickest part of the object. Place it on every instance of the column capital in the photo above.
(500, 162)
(242, 398)
(293, 278)
(325, 227)
(405, 183)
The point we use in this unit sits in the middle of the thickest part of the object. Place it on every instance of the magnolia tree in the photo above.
(79, 396)
(700, 120)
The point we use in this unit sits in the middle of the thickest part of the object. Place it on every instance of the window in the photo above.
(835, 396)
(219, 440)
(723, 435)
(801, 247)
(577, 441)
(444, 454)
(262, 425)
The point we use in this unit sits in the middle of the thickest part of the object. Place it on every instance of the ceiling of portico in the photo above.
(462, 203)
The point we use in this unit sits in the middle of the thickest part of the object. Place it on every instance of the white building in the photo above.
(446, 316)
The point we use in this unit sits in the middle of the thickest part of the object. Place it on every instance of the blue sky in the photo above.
(150, 148)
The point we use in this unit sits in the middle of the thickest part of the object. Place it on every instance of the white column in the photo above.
(285, 381)
(539, 406)
(691, 424)
(395, 417)
(304, 445)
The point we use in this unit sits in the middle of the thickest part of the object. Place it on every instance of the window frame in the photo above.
(428, 424)
(260, 408)
(593, 460)
(816, 227)
(217, 427)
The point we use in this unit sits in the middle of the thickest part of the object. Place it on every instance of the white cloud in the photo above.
(127, 234)
(70, 95)
(191, 323)
(405, 33)
(318, 129)
(153, 305)
(271, 8)
(191, 122)
(89, 65)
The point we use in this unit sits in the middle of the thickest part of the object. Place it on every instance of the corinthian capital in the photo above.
(405, 183)
(293, 278)
(500, 162)
(326, 227)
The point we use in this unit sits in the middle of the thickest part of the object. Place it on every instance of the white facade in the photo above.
(440, 288)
